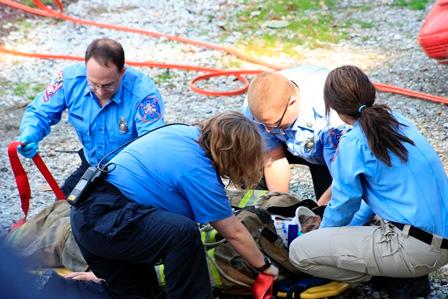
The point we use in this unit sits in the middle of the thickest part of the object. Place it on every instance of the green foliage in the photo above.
(163, 77)
(412, 4)
(270, 26)
(31, 3)
(365, 24)
(24, 24)
(26, 89)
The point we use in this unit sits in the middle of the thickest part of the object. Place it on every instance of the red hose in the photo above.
(48, 12)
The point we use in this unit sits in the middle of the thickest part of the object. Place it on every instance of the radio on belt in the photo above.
(88, 178)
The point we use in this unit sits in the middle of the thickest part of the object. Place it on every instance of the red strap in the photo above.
(262, 287)
(49, 177)
(22, 182)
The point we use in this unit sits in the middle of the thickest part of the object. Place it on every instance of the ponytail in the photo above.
(349, 91)
(382, 131)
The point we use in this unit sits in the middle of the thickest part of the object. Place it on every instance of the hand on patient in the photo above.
(87, 276)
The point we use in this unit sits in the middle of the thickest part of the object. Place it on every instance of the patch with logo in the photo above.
(334, 136)
(53, 87)
(123, 126)
(309, 144)
(149, 109)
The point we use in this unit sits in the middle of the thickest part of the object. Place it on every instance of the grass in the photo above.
(412, 4)
(30, 2)
(26, 90)
(278, 26)
(163, 76)
(24, 25)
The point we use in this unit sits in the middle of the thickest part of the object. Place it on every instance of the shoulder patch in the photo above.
(335, 135)
(53, 87)
(149, 109)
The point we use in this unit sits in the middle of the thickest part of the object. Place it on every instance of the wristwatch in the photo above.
(267, 264)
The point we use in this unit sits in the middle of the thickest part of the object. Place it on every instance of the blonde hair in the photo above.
(235, 147)
(269, 91)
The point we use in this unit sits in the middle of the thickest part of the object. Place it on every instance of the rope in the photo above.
(51, 13)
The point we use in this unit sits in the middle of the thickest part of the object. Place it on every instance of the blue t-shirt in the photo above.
(136, 107)
(413, 192)
(168, 169)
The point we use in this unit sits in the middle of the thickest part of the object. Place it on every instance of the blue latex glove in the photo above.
(30, 149)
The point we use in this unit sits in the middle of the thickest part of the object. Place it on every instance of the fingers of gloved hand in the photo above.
(29, 150)
(26, 139)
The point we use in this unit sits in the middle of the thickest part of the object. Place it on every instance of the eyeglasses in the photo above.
(275, 129)
(106, 87)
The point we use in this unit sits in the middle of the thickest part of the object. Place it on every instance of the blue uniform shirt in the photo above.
(135, 108)
(312, 136)
(168, 169)
(413, 192)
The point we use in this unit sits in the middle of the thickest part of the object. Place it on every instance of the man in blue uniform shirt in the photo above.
(108, 104)
(289, 110)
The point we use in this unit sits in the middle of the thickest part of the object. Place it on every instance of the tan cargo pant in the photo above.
(354, 254)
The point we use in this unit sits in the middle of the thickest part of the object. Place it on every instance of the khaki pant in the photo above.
(354, 254)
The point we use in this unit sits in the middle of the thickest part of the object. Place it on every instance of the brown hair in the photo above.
(106, 51)
(235, 147)
(349, 91)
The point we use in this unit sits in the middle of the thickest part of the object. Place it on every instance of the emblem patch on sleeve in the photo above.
(335, 135)
(53, 87)
(149, 109)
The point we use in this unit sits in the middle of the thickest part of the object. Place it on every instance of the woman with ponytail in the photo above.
(383, 166)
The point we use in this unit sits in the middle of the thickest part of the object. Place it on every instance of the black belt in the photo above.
(420, 234)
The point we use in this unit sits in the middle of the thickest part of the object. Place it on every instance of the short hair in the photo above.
(265, 90)
(106, 51)
(235, 146)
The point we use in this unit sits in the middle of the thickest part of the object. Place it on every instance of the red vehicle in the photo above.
(433, 36)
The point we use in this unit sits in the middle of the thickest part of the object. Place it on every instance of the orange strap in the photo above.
(23, 185)
(262, 287)
(48, 12)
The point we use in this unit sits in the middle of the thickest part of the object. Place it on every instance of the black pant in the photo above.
(74, 178)
(122, 241)
(319, 173)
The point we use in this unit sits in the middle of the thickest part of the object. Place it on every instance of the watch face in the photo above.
(267, 260)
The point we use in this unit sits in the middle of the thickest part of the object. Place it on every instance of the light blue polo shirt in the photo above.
(413, 192)
(169, 170)
(312, 136)
(134, 109)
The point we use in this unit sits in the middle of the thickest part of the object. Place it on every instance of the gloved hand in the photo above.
(30, 149)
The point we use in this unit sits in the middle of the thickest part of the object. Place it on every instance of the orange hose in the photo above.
(48, 12)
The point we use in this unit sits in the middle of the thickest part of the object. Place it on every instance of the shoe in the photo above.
(403, 288)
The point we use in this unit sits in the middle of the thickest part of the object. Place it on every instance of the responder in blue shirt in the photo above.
(108, 104)
(288, 108)
(386, 167)
(146, 208)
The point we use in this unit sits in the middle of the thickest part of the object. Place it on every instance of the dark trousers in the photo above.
(73, 179)
(319, 174)
(122, 241)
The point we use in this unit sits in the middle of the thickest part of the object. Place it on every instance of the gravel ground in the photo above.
(387, 50)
